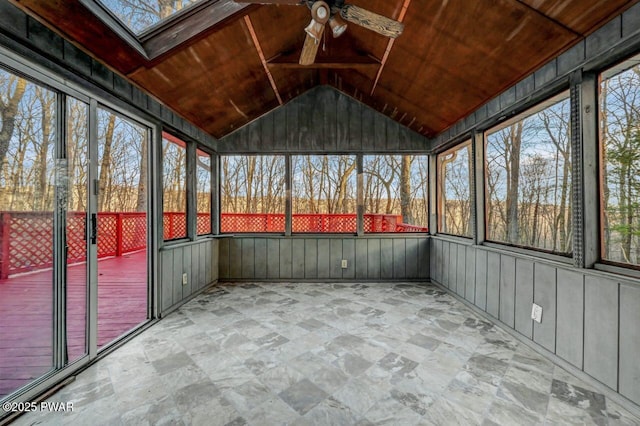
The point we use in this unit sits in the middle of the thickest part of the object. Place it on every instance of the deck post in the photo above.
(119, 242)
(5, 229)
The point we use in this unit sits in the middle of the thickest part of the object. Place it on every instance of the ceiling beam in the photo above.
(256, 43)
(291, 61)
(185, 27)
(403, 13)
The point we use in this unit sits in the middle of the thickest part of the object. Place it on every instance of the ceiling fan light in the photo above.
(338, 25)
(320, 12)
(315, 29)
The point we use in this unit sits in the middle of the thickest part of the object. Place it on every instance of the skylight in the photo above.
(140, 16)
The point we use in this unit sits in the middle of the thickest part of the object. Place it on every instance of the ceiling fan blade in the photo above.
(311, 45)
(372, 21)
(291, 2)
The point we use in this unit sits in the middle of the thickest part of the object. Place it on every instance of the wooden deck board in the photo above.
(26, 332)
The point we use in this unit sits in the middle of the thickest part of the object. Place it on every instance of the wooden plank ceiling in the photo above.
(453, 56)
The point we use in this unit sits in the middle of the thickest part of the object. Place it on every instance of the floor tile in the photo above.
(320, 353)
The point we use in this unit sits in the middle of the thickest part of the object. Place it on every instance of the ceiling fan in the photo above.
(335, 12)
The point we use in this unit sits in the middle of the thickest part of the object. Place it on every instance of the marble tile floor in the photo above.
(328, 354)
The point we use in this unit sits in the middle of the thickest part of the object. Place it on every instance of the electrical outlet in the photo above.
(344, 263)
(184, 279)
(536, 313)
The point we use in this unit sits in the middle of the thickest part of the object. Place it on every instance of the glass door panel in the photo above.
(27, 159)
(77, 150)
(121, 226)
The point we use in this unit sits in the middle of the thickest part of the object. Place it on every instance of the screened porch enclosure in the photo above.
(198, 227)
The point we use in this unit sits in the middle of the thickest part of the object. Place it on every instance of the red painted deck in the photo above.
(26, 314)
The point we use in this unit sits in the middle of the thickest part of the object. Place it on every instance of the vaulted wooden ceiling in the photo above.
(453, 56)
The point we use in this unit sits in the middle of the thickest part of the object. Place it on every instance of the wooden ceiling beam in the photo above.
(355, 61)
(256, 43)
(403, 13)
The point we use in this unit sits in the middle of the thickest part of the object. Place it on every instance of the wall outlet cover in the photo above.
(344, 264)
(184, 279)
(536, 313)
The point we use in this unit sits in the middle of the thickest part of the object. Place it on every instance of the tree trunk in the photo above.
(141, 202)
(8, 113)
(105, 164)
(513, 181)
(405, 190)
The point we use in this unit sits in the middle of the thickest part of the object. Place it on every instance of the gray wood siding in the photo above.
(201, 261)
(320, 258)
(589, 319)
(319, 121)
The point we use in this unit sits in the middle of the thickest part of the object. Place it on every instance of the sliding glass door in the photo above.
(27, 159)
(121, 214)
(74, 255)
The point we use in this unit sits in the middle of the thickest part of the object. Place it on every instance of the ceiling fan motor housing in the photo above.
(320, 12)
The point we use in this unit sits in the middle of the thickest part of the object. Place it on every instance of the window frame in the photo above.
(422, 156)
(603, 264)
(354, 156)
(188, 184)
(212, 183)
(220, 194)
(557, 97)
(439, 175)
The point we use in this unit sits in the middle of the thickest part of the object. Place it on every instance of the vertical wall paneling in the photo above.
(601, 330)
(424, 258)
(461, 270)
(413, 259)
(166, 279)
(335, 255)
(399, 258)
(524, 297)
(570, 328)
(324, 258)
(373, 259)
(493, 284)
(323, 120)
(544, 294)
(470, 275)
(261, 258)
(349, 254)
(433, 260)
(507, 289)
(286, 267)
(311, 258)
(187, 263)
(481, 279)
(361, 259)
(444, 279)
(386, 259)
(298, 258)
(273, 258)
(342, 124)
(213, 269)
(630, 342)
(194, 266)
(235, 258)
(453, 267)
(224, 259)
(177, 276)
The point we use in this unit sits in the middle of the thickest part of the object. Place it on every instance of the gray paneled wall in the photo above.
(320, 121)
(316, 258)
(590, 319)
(199, 260)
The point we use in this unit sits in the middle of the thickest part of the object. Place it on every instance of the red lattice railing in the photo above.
(27, 240)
